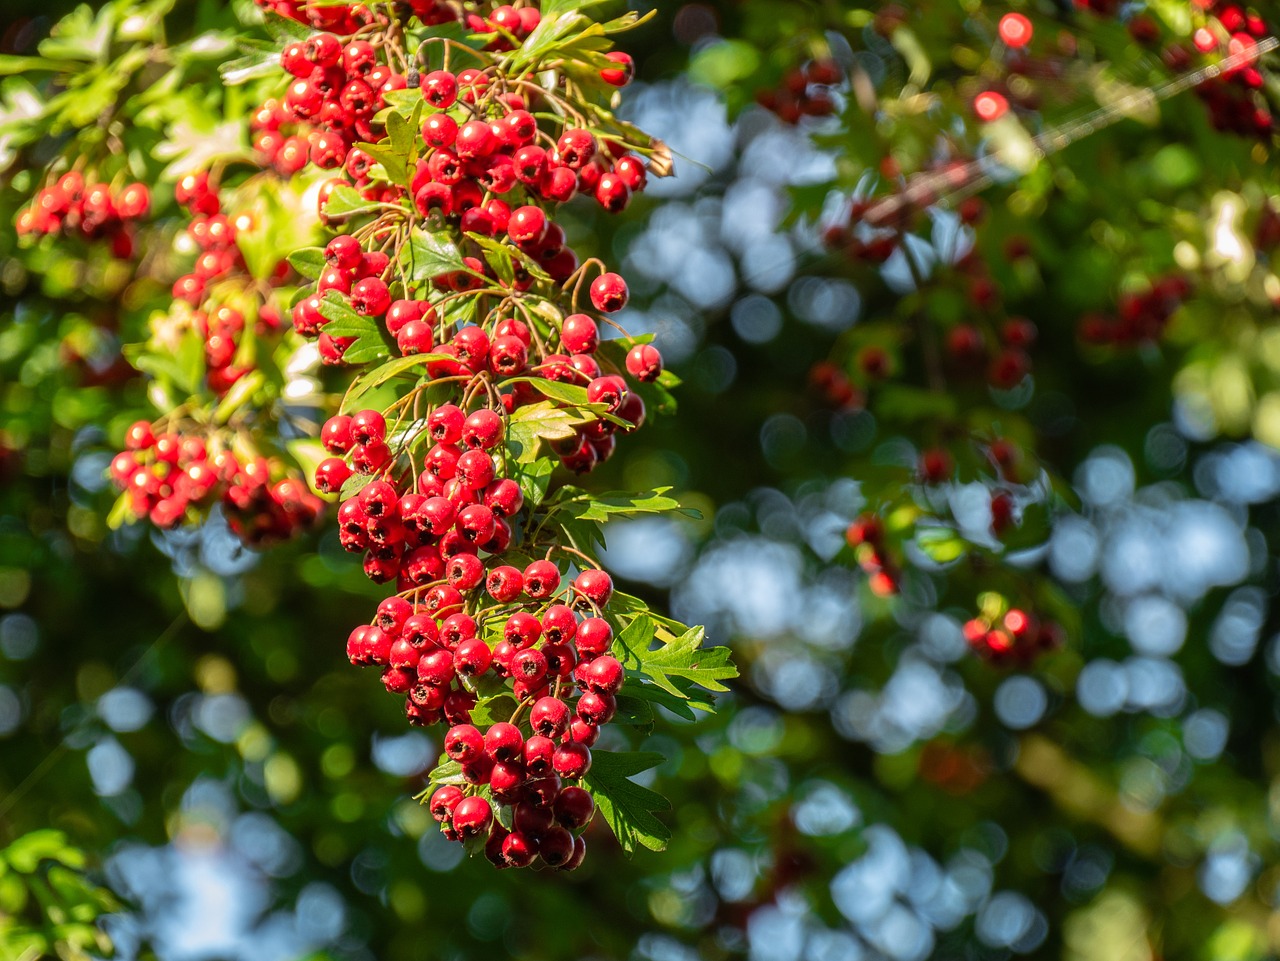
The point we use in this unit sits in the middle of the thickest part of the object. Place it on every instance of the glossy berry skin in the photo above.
(472, 816)
(541, 579)
(579, 334)
(644, 363)
(594, 585)
(593, 637)
(573, 808)
(464, 743)
(576, 148)
(571, 760)
(609, 293)
(604, 675)
(482, 429)
(621, 74)
(504, 584)
(549, 717)
(370, 297)
(504, 743)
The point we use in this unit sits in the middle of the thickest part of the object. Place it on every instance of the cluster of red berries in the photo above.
(1015, 637)
(866, 535)
(93, 211)
(1001, 355)
(805, 91)
(1235, 100)
(1140, 317)
(219, 260)
(461, 616)
(428, 494)
(834, 387)
(168, 476)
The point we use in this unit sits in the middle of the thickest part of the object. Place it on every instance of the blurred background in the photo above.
(180, 707)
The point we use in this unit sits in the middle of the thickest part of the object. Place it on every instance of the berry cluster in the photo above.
(219, 272)
(1014, 636)
(1235, 100)
(464, 621)
(866, 535)
(1141, 316)
(485, 612)
(806, 91)
(93, 211)
(834, 387)
(167, 476)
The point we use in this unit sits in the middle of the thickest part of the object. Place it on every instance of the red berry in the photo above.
(609, 293)
(620, 75)
(644, 362)
(572, 760)
(472, 816)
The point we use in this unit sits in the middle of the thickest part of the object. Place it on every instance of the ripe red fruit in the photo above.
(504, 584)
(368, 426)
(475, 139)
(472, 816)
(504, 743)
(527, 224)
(571, 760)
(936, 466)
(609, 293)
(549, 717)
(620, 75)
(579, 334)
(644, 362)
(370, 297)
(472, 657)
(541, 579)
(594, 585)
(464, 571)
(573, 808)
(440, 131)
(593, 637)
(440, 90)
(612, 193)
(990, 106)
(604, 675)
(482, 429)
(576, 148)
(464, 742)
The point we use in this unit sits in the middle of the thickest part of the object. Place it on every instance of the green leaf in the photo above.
(346, 202)
(635, 711)
(498, 256)
(625, 806)
(395, 163)
(490, 710)
(677, 663)
(566, 393)
(343, 321)
(600, 507)
(534, 422)
(430, 254)
(239, 394)
(383, 373)
(26, 853)
(534, 477)
(309, 262)
(445, 772)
